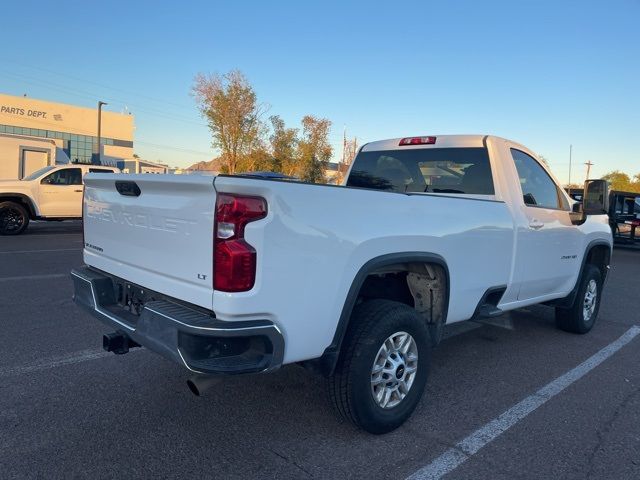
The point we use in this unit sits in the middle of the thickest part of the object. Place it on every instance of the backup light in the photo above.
(417, 141)
(234, 263)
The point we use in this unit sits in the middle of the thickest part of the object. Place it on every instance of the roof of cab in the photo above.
(456, 141)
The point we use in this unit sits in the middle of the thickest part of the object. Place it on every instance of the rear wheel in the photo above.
(383, 366)
(14, 218)
(581, 316)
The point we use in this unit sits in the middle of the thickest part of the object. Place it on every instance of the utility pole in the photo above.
(589, 165)
(344, 143)
(97, 160)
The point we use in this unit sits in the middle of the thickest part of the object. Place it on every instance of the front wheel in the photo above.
(14, 218)
(383, 366)
(581, 316)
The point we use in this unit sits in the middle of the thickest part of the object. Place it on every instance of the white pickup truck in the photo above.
(230, 274)
(50, 193)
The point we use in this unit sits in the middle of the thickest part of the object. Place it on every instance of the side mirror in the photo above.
(596, 197)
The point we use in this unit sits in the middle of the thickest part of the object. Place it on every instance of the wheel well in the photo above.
(20, 200)
(417, 284)
(417, 279)
(600, 256)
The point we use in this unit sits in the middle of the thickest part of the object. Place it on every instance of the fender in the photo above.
(24, 199)
(569, 299)
(330, 356)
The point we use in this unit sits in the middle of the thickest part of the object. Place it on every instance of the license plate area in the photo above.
(132, 297)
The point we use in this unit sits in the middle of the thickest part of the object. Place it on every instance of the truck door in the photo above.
(60, 193)
(548, 254)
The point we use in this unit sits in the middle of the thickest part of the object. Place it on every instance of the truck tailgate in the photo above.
(158, 235)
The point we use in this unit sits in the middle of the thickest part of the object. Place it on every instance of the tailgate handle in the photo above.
(128, 189)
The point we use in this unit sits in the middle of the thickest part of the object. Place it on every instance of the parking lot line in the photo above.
(34, 277)
(60, 361)
(43, 251)
(464, 450)
(53, 362)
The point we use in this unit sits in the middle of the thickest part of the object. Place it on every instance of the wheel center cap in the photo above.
(400, 371)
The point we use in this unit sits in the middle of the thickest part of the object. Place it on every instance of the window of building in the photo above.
(538, 188)
(77, 147)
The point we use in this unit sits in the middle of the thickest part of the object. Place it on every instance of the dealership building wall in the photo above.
(74, 129)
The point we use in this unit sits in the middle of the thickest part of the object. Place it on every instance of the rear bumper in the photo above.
(189, 336)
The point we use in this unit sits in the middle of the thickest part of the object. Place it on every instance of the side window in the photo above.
(538, 189)
(65, 176)
(100, 170)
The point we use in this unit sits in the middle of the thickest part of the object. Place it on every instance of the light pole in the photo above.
(97, 157)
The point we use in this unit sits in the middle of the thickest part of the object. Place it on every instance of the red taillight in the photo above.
(417, 141)
(234, 259)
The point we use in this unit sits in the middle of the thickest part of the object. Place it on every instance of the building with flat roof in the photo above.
(74, 129)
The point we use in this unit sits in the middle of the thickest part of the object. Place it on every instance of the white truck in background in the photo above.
(231, 274)
(52, 193)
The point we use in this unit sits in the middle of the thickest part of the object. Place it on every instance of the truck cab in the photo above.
(50, 193)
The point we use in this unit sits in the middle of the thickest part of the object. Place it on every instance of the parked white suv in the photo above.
(233, 274)
(51, 193)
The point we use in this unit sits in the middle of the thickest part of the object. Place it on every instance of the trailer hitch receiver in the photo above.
(118, 343)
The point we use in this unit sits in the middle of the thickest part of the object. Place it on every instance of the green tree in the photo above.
(258, 159)
(284, 144)
(621, 181)
(230, 106)
(314, 149)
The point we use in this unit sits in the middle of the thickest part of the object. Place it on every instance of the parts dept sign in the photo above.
(25, 112)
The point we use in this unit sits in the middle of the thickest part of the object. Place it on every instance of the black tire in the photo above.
(573, 319)
(14, 218)
(350, 388)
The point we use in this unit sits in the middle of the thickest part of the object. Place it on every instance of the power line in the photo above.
(180, 149)
(92, 96)
(92, 133)
(136, 94)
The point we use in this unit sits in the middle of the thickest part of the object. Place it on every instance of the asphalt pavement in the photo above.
(69, 410)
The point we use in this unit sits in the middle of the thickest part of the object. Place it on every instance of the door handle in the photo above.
(535, 224)
(78, 191)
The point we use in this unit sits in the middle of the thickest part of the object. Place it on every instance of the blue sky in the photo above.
(545, 73)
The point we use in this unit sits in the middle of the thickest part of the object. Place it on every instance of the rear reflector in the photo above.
(417, 141)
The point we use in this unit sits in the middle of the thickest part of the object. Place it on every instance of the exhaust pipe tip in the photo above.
(200, 383)
(193, 387)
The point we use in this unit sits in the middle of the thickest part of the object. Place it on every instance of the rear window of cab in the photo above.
(431, 170)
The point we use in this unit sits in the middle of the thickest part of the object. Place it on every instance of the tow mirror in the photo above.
(596, 197)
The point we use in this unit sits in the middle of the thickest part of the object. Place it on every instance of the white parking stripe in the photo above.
(68, 359)
(79, 249)
(33, 277)
(61, 361)
(456, 456)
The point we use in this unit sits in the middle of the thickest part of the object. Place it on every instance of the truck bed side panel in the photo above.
(316, 238)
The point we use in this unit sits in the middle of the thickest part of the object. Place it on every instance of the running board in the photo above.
(489, 311)
(487, 306)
